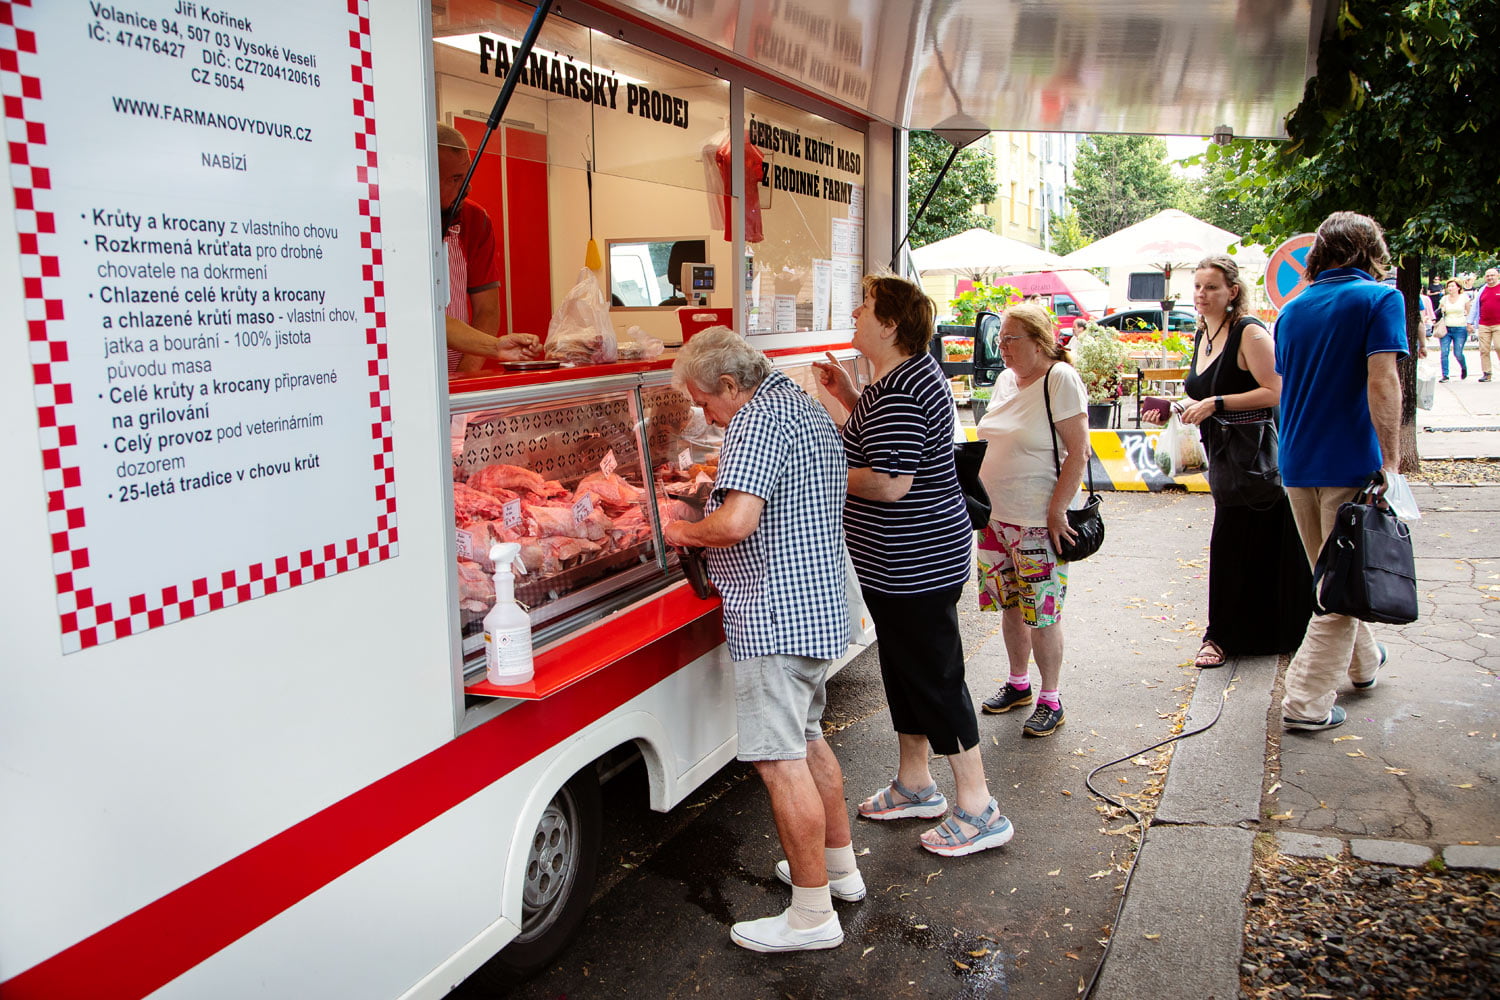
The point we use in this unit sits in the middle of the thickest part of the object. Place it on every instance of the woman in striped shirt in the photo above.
(911, 543)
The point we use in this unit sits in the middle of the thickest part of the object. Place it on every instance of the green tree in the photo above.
(1224, 198)
(1399, 124)
(1065, 234)
(1118, 180)
(970, 182)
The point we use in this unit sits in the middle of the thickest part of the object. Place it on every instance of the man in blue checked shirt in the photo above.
(775, 540)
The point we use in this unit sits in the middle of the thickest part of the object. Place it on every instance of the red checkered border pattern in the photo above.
(89, 619)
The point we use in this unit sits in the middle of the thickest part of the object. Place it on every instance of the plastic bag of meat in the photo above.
(640, 347)
(580, 330)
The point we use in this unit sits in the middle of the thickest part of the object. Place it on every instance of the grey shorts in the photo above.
(778, 703)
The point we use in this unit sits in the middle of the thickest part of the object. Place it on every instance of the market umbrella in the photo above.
(979, 252)
(1170, 238)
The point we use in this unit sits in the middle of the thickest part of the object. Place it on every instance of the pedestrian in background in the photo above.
(1454, 308)
(1484, 320)
(1337, 345)
(773, 530)
(910, 539)
(1259, 583)
(1030, 488)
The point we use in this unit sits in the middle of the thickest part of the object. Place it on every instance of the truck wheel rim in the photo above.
(551, 866)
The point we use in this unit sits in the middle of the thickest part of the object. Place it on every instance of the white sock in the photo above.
(840, 860)
(1021, 682)
(810, 907)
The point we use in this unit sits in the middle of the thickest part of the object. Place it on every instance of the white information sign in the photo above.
(196, 195)
(822, 277)
(786, 313)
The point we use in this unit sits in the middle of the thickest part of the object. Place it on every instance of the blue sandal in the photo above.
(990, 830)
(926, 804)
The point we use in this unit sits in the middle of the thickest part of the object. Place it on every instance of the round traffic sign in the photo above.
(1286, 271)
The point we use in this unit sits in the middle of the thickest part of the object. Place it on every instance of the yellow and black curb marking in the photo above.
(1126, 460)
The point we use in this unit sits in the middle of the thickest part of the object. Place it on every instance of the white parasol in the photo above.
(979, 252)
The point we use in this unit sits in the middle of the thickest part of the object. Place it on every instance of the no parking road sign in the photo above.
(1286, 271)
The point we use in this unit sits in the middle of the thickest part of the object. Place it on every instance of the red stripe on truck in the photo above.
(147, 949)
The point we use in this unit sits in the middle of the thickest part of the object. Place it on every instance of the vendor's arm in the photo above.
(512, 347)
(734, 521)
(484, 316)
(1074, 432)
(1258, 356)
(868, 484)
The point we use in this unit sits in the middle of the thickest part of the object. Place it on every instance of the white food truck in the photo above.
(246, 744)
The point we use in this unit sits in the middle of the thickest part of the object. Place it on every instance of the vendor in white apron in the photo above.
(473, 277)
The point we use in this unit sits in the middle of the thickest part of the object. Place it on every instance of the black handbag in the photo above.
(968, 456)
(1088, 520)
(1243, 456)
(1366, 569)
(1243, 462)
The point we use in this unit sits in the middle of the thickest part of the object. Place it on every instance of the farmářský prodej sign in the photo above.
(1286, 270)
(195, 192)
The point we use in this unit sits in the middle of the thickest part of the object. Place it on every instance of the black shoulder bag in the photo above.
(1088, 520)
(968, 456)
(1366, 569)
(1243, 459)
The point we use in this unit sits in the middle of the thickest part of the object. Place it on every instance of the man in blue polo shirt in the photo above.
(775, 540)
(1336, 350)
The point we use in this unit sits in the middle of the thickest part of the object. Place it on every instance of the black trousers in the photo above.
(922, 666)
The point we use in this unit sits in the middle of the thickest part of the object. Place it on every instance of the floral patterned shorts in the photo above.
(1018, 568)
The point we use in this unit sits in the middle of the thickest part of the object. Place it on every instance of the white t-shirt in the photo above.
(1018, 472)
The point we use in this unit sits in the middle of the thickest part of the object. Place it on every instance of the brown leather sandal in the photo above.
(1210, 654)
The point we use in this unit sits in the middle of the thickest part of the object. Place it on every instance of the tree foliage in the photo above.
(1065, 234)
(1119, 180)
(1399, 123)
(970, 182)
(1224, 198)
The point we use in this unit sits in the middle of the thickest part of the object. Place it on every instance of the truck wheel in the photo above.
(560, 870)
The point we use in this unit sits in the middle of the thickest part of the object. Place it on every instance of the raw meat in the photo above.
(471, 505)
(513, 478)
(545, 556)
(476, 590)
(611, 489)
(553, 522)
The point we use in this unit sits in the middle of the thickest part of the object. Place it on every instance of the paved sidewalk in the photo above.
(1414, 774)
(1465, 419)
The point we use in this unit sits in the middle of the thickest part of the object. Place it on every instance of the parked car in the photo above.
(1071, 295)
(1182, 320)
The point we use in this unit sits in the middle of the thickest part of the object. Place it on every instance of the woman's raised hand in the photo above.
(833, 377)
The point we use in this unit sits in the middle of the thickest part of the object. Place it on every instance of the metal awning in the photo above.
(1170, 67)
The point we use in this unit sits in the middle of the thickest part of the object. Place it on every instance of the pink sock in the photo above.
(1050, 699)
(1020, 683)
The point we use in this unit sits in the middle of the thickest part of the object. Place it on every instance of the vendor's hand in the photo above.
(675, 533)
(1058, 529)
(833, 377)
(519, 347)
(1197, 411)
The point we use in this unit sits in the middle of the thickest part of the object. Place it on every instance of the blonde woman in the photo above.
(1454, 307)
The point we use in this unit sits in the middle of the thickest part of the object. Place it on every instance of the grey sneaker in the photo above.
(1008, 698)
(1044, 721)
(1336, 717)
(1367, 685)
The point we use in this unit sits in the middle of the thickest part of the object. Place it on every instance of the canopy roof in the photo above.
(979, 252)
(1169, 67)
(1168, 239)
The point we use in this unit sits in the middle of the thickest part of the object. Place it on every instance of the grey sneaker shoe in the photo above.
(1044, 721)
(1367, 685)
(850, 888)
(1008, 698)
(1336, 717)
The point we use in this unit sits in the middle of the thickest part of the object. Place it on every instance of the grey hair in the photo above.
(451, 138)
(720, 351)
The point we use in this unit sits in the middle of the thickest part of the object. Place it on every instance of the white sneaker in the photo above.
(771, 934)
(850, 888)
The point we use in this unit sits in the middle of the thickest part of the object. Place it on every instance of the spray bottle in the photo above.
(507, 629)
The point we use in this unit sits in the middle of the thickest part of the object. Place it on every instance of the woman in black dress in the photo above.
(1259, 584)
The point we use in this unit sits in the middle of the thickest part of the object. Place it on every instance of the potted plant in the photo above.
(1098, 356)
(982, 297)
(958, 348)
(979, 401)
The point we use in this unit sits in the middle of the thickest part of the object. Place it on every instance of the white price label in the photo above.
(465, 545)
(608, 463)
(685, 460)
(583, 508)
(512, 513)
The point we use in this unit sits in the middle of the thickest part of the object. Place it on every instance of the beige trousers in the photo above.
(1489, 340)
(1336, 646)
